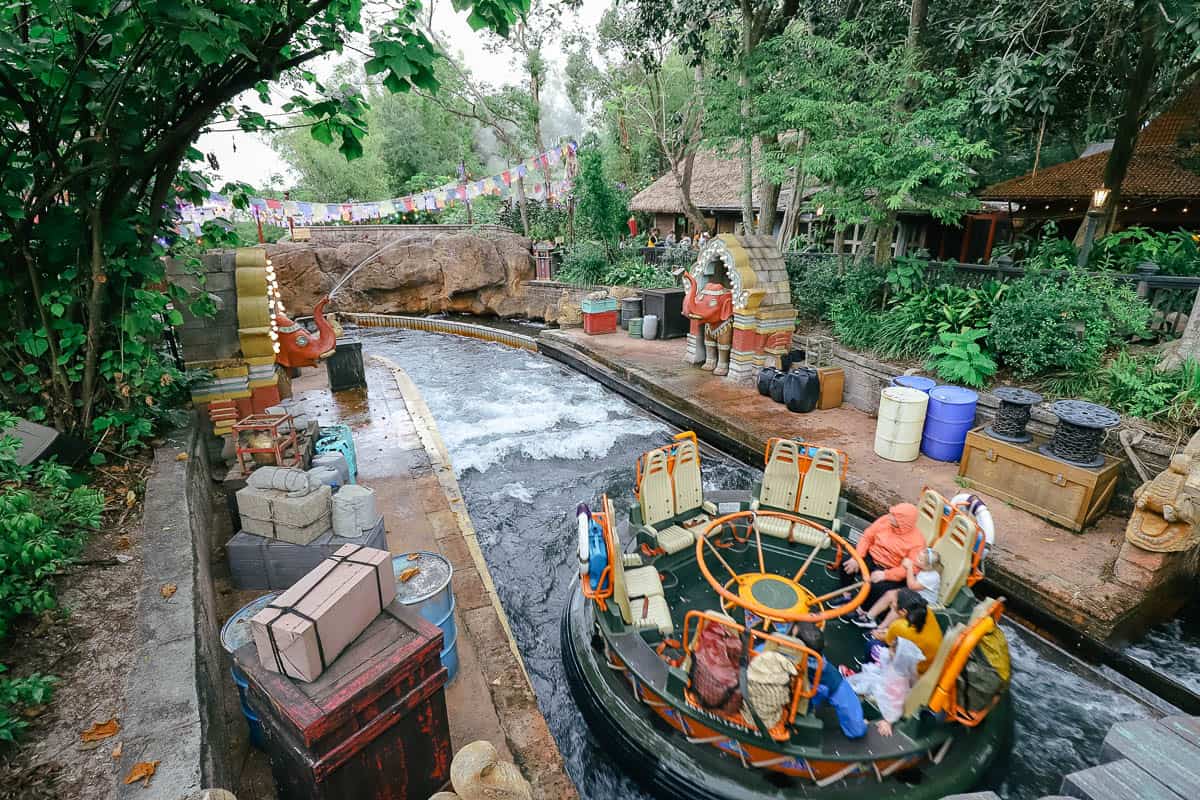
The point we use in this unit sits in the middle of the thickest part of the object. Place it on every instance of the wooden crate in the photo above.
(833, 383)
(1071, 496)
(372, 727)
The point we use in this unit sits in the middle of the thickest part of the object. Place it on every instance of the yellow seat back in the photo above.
(922, 691)
(689, 492)
(822, 485)
(620, 594)
(955, 550)
(781, 477)
(929, 515)
(657, 495)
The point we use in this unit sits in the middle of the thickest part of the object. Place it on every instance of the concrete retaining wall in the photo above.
(173, 696)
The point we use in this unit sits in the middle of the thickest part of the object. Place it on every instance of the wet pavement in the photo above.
(398, 456)
(1063, 572)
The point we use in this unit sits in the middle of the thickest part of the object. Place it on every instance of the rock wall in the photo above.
(423, 270)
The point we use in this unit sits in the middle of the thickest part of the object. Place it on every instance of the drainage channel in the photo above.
(530, 438)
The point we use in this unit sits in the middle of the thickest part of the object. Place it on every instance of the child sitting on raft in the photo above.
(924, 577)
(832, 686)
(915, 622)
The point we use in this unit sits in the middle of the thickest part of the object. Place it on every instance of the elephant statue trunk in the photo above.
(297, 346)
(711, 306)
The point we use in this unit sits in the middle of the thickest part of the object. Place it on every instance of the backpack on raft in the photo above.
(715, 669)
(986, 673)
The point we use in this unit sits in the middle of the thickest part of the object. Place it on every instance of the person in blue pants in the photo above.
(833, 688)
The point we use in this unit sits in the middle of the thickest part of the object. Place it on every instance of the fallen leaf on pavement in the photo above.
(101, 730)
(123, 543)
(32, 711)
(409, 574)
(116, 753)
(168, 590)
(180, 457)
(142, 771)
(1049, 539)
(130, 499)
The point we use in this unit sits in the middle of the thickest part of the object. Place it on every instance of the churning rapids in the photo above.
(530, 439)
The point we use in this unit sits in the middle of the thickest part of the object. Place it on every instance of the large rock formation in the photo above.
(422, 270)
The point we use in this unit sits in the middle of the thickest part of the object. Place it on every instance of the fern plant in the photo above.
(959, 358)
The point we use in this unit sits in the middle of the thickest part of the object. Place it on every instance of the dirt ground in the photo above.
(86, 644)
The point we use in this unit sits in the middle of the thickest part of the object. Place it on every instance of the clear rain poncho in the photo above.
(886, 682)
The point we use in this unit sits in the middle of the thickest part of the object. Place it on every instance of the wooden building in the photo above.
(1161, 189)
(717, 193)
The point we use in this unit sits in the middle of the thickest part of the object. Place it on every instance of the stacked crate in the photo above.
(600, 315)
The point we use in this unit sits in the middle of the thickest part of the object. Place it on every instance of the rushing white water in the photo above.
(530, 439)
(1173, 649)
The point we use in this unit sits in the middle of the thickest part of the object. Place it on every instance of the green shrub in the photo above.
(44, 517)
(815, 284)
(634, 271)
(959, 358)
(585, 263)
(17, 694)
(1064, 322)
(1174, 252)
(903, 332)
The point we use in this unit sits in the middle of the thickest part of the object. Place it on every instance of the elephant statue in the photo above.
(712, 307)
(297, 346)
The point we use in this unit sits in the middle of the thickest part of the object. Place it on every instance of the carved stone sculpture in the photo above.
(1167, 507)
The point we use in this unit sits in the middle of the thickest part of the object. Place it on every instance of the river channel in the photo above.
(530, 439)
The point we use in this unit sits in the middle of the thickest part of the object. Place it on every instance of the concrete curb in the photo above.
(172, 712)
(528, 737)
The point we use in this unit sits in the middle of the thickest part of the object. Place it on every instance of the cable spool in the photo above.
(1080, 431)
(1013, 414)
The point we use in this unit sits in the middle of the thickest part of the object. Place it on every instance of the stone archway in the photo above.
(763, 316)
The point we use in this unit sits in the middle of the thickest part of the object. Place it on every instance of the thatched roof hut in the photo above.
(1161, 187)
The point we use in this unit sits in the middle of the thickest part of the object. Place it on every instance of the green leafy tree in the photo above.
(100, 103)
(881, 135)
(601, 210)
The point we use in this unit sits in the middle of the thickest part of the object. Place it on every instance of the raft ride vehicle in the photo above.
(744, 567)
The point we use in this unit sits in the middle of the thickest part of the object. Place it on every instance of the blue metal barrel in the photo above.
(918, 382)
(235, 633)
(950, 416)
(429, 592)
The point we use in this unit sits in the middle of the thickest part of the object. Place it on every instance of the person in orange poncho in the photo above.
(884, 545)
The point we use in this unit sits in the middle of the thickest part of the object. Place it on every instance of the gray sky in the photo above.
(249, 158)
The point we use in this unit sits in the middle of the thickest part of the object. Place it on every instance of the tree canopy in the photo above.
(100, 103)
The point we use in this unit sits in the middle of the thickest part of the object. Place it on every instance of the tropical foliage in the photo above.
(44, 516)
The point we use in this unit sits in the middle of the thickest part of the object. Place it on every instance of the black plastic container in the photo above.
(801, 390)
(765, 376)
(345, 367)
(776, 389)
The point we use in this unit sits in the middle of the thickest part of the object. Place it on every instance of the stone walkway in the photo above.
(401, 457)
(1067, 574)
